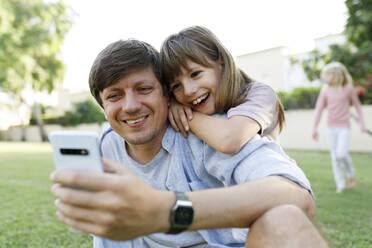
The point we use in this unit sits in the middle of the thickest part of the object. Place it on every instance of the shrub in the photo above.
(305, 98)
(299, 98)
(83, 112)
(363, 89)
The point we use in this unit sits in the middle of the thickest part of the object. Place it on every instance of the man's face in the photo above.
(136, 107)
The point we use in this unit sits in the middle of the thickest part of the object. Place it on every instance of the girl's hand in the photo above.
(315, 136)
(179, 116)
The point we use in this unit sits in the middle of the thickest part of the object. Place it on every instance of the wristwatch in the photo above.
(181, 215)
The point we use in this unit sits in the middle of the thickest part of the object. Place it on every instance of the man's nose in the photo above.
(131, 103)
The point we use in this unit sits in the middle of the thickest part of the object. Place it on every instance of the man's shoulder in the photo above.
(109, 137)
(175, 141)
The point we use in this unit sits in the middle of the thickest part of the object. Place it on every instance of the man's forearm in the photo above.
(121, 207)
(241, 205)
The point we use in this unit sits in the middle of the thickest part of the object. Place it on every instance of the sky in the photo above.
(243, 26)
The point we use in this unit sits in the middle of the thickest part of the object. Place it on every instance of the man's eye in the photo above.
(145, 89)
(112, 96)
(195, 74)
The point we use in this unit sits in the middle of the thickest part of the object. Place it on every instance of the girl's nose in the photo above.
(189, 89)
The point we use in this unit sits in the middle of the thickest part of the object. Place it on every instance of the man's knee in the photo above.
(285, 225)
(282, 215)
(279, 221)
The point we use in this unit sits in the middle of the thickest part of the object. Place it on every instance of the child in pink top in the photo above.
(337, 96)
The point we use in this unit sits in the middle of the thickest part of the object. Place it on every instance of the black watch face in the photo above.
(184, 216)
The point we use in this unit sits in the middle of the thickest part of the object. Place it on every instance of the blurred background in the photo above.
(48, 47)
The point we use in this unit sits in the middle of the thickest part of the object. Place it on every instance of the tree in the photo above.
(31, 34)
(355, 54)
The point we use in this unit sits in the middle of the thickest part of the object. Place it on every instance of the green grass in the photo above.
(27, 213)
(344, 219)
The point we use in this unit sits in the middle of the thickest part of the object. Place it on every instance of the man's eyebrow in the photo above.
(109, 90)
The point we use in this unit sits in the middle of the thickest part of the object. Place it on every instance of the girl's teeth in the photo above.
(197, 101)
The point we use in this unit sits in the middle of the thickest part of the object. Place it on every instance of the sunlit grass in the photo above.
(27, 210)
(27, 213)
(345, 219)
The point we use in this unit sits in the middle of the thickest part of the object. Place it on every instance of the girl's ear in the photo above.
(222, 64)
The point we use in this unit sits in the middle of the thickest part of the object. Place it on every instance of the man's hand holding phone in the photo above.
(117, 205)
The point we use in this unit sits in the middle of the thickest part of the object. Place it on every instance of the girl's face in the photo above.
(329, 79)
(197, 87)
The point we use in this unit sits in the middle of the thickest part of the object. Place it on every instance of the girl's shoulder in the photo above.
(348, 87)
(260, 93)
(326, 89)
(258, 87)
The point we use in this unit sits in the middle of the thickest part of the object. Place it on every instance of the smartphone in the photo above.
(76, 150)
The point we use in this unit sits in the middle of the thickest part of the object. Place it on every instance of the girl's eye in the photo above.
(195, 74)
(175, 86)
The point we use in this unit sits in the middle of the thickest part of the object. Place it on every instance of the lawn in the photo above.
(27, 213)
(27, 210)
(345, 219)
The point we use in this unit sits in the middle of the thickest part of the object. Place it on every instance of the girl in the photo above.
(337, 95)
(204, 80)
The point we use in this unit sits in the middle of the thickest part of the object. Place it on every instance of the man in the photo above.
(135, 202)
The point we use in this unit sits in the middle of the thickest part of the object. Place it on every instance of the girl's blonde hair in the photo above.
(199, 45)
(341, 75)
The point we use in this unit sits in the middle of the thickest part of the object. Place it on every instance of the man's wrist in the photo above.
(165, 201)
(181, 215)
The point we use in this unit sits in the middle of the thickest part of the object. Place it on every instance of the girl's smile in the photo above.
(196, 86)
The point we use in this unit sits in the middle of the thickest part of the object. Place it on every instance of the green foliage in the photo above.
(314, 64)
(355, 54)
(83, 112)
(299, 98)
(364, 90)
(31, 34)
(359, 23)
(28, 213)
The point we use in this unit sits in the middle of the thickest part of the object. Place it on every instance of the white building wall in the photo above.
(322, 43)
(266, 66)
(297, 131)
(273, 66)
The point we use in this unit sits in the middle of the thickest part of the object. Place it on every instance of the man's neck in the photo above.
(144, 153)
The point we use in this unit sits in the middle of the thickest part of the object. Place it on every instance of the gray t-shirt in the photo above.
(260, 105)
(190, 165)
